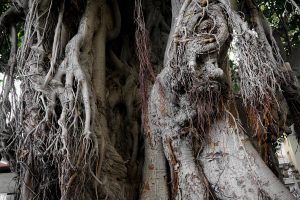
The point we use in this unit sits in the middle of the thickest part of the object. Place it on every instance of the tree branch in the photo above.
(295, 5)
(11, 16)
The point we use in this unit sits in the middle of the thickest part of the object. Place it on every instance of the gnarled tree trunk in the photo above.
(190, 118)
(68, 139)
(76, 131)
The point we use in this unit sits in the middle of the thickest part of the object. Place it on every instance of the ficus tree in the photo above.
(134, 99)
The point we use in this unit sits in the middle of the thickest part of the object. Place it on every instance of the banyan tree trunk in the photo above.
(191, 122)
(76, 130)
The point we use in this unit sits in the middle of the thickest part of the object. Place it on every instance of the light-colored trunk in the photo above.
(234, 168)
(155, 175)
(228, 167)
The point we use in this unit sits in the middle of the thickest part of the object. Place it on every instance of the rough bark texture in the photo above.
(62, 143)
(179, 97)
(188, 98)
(76, 131)
(235, 169)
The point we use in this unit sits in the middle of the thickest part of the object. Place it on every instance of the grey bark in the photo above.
(78, 129)
(235, 169)
(226, 170)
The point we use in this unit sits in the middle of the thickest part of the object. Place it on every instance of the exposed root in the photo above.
(187, 96)
(261, 69)
(143, 53)
(55, 48)
(56, 131)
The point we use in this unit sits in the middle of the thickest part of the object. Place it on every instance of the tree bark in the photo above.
(76, 132)
(225, 169)
(235, 169)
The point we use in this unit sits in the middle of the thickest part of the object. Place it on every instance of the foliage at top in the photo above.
(285, 20)
(4, 41)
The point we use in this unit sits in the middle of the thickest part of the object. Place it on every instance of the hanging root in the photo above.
(187, 96)
(54, 129)
(258, 69)
(143, 53)
(260, 66)
(54, 134)
(200, 35)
